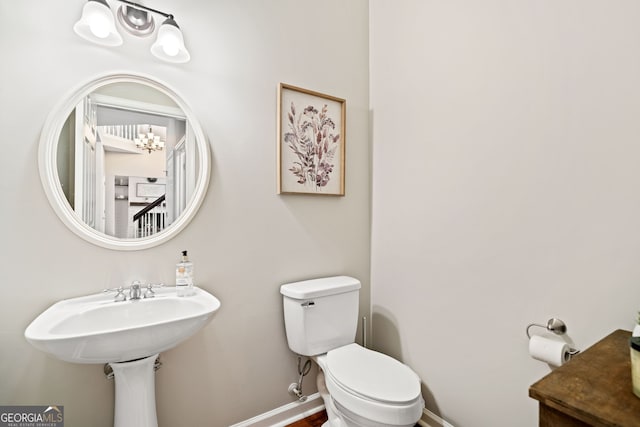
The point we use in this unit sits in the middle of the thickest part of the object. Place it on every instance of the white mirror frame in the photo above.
(47, 161)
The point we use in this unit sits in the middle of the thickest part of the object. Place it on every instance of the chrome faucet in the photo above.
(134, 290)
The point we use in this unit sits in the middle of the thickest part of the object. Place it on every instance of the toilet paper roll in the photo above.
(547, 350)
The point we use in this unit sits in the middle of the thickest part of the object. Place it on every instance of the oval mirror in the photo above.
(124, 162)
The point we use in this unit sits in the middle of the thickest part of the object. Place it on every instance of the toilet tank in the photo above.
(320, 314)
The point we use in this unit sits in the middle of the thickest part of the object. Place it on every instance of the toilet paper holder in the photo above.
(556, 326)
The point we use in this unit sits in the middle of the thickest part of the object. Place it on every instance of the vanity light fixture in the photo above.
(97, 24)
(149, 142)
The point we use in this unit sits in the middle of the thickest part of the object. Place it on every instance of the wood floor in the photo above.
(314, 420)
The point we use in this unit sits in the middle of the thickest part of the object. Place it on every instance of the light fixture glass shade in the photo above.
(97, 24)
(169, 45)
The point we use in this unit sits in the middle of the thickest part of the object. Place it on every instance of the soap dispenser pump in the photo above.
(184, 276)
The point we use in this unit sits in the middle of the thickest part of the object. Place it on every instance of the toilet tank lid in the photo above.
(320, 287)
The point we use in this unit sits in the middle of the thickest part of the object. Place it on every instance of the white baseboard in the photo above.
(429, 419)
(286, 414)
(295, 411)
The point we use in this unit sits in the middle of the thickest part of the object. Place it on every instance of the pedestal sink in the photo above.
(128, 335)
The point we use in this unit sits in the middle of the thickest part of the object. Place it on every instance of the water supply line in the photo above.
(296, 388)
(364, 331)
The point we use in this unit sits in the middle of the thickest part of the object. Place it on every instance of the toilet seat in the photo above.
(373, 375)
(372, 385)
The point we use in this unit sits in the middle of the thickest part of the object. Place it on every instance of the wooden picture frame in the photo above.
(311, 142)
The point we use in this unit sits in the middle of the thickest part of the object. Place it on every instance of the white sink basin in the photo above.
(95, 329)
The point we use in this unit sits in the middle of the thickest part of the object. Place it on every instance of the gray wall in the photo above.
(505, 189)
(245, 241)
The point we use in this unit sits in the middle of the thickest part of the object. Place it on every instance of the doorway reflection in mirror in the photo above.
(114, 183)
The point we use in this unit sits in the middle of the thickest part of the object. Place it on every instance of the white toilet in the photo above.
(360, 387)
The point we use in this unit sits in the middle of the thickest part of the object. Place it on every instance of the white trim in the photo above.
(287, 414)
(292, 412)
(429, 419)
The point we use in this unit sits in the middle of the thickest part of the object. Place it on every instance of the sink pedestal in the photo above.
(135, 402)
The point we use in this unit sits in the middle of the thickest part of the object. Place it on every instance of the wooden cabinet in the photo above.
(593, 389)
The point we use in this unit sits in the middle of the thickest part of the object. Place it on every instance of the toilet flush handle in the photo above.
(308, 304)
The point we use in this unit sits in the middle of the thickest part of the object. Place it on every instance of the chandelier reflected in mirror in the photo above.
(149, 141)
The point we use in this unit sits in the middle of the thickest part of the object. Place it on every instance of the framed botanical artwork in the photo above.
(311, 141)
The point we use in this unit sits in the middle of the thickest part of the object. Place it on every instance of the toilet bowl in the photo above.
(367, 388)
(360, 387)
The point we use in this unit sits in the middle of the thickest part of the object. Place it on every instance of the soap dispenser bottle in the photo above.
(184, 276)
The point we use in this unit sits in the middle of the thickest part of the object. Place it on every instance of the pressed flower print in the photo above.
(311, 146)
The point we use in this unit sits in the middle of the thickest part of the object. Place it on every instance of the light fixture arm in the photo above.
(148, 9)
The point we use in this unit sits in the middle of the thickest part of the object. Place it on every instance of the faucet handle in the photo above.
(120, 296)
(149, 292)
